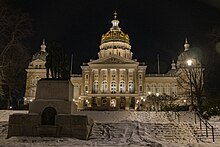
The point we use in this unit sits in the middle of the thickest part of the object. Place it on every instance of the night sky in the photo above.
(154, 26)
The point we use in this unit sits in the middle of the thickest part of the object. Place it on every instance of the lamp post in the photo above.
(157, 101)
(189, 63)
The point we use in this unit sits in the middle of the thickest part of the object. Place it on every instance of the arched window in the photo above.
(122, 86)
(153, 88)
(113, 87)
(174, 91)
(131, 86)
(167, 89)
(113, 103)
(104, 86)
(160, 88)
(95, 86)
(147, 88)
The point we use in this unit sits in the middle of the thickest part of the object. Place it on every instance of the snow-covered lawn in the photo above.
(117, 128)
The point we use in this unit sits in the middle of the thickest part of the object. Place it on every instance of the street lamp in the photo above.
(157, 101)
(189, 63)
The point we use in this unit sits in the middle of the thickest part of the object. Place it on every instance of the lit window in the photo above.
(113, 103)
(153, 88)
(147, 88)
(122, 86)
(160, 89)
(95, 86)
(131, 86)
(167, 89)
(104, 86)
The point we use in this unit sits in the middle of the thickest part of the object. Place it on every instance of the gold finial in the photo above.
(115, 15)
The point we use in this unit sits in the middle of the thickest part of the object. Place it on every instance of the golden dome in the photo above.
(115, 33)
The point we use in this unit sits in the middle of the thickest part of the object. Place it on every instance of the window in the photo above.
(174, 91)
(113, 76)
(86, 88)
(160, 88)
(122, 86)
(104, 86)
(113, 87)
(167, 89)
(113, 103)
(153, 88)
(140, 88)
(95, 86)
(131, 86)
(147, 88)
(140, 76)
(87, 76)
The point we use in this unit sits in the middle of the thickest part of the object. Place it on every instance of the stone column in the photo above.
(108, 101)
(117, 80)
(90, 81)
(135, 79)
(100, 80)
(126, 80)
(108, 80)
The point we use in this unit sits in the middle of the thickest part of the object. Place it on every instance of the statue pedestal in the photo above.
(54, 93)
(51, 114)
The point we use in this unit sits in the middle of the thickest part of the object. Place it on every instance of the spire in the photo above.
(173, 65)
(115, 15)
(43, 46)
(186, 45)
(115, 22)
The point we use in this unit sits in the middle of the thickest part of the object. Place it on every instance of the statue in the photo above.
(56, 62)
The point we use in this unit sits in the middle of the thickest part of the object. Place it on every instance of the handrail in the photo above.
(206, 123)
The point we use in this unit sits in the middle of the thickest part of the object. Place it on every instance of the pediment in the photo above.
(113, 59)
(37, 60)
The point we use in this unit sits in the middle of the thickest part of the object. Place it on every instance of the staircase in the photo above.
(144, 132)
(205, 135)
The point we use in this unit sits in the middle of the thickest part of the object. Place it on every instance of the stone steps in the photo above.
(3, 129)
(165, 131)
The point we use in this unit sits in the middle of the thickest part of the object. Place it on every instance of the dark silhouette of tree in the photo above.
(15, 27)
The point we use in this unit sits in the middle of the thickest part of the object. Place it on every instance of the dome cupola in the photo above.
(115, 42)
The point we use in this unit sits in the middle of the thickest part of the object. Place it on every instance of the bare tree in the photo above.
(190, 78)
(15, 26)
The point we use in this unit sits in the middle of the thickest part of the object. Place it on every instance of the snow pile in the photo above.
(4, 114)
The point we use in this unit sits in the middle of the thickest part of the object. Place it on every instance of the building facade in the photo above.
(115, 80)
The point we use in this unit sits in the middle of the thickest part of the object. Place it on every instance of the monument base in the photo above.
(77, 126)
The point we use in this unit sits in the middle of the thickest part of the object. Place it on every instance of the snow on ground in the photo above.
(113, 128)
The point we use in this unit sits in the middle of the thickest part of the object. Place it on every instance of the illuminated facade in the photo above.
(115, 80)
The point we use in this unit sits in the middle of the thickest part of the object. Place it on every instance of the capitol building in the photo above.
(116, 81)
